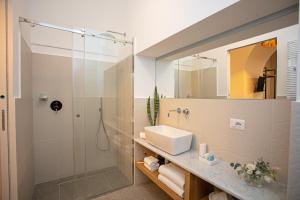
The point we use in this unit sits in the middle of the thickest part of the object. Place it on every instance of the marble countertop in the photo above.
(221, 175)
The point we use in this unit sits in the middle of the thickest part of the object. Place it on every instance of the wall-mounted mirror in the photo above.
(255, 68)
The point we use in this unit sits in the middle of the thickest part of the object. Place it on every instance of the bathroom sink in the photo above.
(171, 140)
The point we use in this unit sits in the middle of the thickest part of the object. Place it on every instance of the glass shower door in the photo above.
(102, 115)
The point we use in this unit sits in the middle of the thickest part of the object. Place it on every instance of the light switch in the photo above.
(239, 124)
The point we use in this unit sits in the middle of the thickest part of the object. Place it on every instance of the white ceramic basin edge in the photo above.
(169, 139)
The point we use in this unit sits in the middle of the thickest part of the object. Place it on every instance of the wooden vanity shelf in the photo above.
(194, 188)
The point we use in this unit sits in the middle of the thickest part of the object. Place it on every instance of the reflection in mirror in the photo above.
(196, 77)
(253, 71)
(254, 68)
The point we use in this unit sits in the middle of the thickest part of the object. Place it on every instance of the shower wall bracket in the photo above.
(43, 97)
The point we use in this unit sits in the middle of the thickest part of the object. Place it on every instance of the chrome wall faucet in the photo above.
(178, 110)
(185, 111)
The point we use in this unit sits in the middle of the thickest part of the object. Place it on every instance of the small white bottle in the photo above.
(202, 149)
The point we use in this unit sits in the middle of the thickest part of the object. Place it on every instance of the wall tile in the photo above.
(47, 162)
(281, 110)
(140, 115)
(294, 152)
(24, 127)
(266, 134)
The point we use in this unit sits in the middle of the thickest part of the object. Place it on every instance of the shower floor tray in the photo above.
(82, 187)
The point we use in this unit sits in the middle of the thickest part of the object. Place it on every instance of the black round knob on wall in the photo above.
(56, 105)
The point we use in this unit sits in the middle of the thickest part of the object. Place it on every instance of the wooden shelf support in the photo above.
(194, 188)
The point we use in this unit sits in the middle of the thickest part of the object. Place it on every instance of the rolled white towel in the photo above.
(152, 168)
(150, 160)
(174, 173)
(171, 185)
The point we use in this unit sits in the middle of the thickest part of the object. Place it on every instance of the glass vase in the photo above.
(254, 181)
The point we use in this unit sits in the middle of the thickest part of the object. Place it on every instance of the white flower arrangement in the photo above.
(256, 173)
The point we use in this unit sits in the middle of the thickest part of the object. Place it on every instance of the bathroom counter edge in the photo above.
(220, 175)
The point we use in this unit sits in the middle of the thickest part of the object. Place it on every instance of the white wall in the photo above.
(221, 54)
(153, 21)
(144, 76)
(165, 78)
(95, 14)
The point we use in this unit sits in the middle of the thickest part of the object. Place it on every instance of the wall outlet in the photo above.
(239, 124)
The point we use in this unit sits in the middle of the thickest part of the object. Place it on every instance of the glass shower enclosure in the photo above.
(85, 149)
(102, 115)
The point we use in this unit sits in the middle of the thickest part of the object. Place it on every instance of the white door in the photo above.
(4, 175)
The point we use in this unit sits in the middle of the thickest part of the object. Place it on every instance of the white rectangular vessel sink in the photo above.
(171, 140)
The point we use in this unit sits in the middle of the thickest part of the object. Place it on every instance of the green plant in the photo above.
(153, 120)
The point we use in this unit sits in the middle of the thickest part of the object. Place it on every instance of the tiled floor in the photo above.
(147, 191)
(83, 187)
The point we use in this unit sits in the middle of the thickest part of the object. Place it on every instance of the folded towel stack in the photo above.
(151, 163)
(173, 177)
